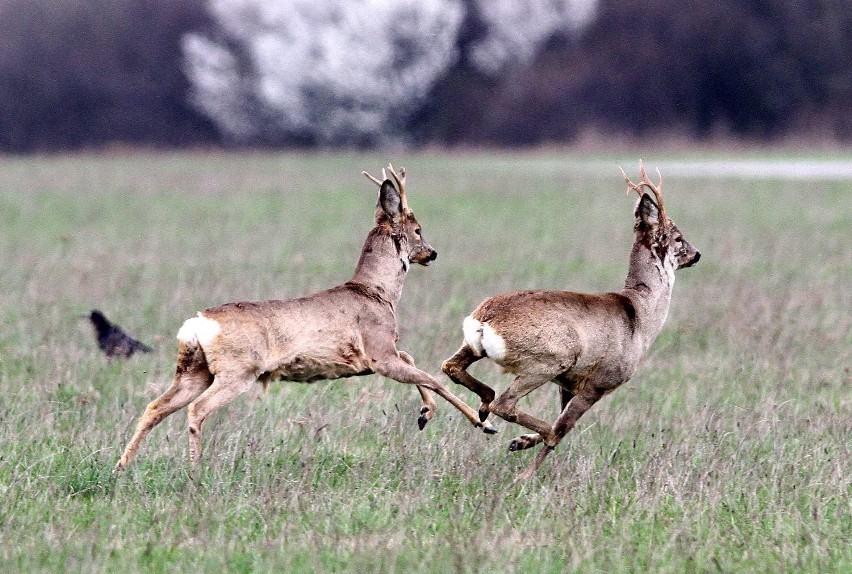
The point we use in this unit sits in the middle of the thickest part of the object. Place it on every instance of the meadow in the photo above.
(728, 451)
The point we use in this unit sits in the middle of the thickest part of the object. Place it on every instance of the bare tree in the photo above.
(84, 73)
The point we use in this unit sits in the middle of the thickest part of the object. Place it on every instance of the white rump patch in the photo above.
(472, 330)
(199, 331)
(483, 338)
(493, 343)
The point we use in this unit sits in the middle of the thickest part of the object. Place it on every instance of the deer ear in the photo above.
(390, 201)
(647, 212)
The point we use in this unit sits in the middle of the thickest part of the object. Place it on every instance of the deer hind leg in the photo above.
(530, 440)
(427, 411)
(577, 406)
(456, 368)
(225, 388)
(192, 378)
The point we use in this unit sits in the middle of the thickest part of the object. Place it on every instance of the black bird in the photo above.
(112, 340)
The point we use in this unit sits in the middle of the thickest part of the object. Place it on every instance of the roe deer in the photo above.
(587, 344)
(345, 331)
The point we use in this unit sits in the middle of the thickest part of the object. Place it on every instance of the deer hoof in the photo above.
(425, 413)
(522, 443)
(483, 412)
(488, 428)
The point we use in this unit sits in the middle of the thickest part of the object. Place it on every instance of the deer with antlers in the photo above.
(348, 330)
(588, 344)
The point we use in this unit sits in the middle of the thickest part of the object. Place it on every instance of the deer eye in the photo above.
(678, 240)
(417, 232)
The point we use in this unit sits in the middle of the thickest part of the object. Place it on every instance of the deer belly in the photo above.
(308, 368)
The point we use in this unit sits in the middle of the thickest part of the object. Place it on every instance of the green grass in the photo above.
(728, 451)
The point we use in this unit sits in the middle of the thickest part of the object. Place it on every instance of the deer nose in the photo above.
(696, 258)
(433, 256)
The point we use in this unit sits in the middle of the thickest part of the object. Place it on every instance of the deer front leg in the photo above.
(525, 441)
(456, 368)
(564, 423)
(397, 369)
(427, 411)
(530, 440)
(506, 407)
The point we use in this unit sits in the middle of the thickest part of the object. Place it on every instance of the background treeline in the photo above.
(90, 73)
(698, 68)
(82, 73)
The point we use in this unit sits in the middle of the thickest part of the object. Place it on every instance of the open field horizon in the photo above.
(728, 451)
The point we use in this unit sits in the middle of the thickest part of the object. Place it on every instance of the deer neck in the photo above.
(649, 285)
(381, 267)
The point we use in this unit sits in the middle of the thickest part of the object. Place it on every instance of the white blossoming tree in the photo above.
(516, 30)
(340, 72)
(329, 72)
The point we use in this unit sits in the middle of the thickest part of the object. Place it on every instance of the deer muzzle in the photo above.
(693, 261)
(424, 256)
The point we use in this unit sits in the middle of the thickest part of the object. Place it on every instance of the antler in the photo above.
(398, 178)
(379, 181)
(645, 182)
(400, 182)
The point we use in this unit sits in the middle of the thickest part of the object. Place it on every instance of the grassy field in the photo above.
(729, 451)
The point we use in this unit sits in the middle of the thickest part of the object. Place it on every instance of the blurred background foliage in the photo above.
(80, 74)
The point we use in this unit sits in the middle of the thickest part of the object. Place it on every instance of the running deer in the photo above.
(588, 344)
(348, 330)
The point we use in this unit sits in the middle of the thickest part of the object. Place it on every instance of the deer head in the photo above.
(393, 213)
(654, 228)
